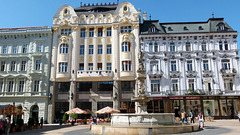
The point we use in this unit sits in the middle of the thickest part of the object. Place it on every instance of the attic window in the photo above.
(185, 28)
(170, 29)
(152, 29)
(221, 27)
(200, 28)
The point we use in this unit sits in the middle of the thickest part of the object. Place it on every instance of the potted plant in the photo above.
(73, 116)
(31, 123)
(85, 120)
(13, 127)
(37, 124)
(20, 124)
(64, 118)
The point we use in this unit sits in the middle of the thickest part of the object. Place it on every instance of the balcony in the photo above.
(174, 74)
(230, 72)
(207, 73)
(91, 73)
(155, 73)
(191, 73)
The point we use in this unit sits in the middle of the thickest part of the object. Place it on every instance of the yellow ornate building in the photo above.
(94, 58)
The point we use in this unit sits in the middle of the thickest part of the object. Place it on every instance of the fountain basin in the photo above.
(147, 119)
(143, 130)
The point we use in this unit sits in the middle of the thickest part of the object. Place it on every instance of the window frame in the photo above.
(100, 49)
(82, 49)
(38, 64)
(91, 49)
(109, 49)
(63, 67)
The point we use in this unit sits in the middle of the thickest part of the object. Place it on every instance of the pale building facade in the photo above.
(94, 54)
(24, 70)
(191, 58)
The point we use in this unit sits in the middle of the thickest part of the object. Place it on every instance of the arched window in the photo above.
(125, 47)
(64, 49)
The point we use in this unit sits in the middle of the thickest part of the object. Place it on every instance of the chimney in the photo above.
(144, 15)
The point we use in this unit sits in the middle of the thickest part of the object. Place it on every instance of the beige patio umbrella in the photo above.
(107, 110)
(76, 111)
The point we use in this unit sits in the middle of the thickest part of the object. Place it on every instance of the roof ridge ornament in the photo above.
(212, 14)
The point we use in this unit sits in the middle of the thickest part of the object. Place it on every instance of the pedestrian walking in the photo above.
(1, 126)
(185, 117)
(7, 126)
(182, 116)
(201, 120)
(192, 116)
(239, 116)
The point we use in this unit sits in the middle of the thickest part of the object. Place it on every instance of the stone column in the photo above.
(104, 64)
(115, 66)
(51, 102)
(95, 49)
(72, 95)
(86, 47)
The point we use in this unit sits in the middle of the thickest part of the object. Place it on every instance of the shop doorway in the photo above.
(35, 112)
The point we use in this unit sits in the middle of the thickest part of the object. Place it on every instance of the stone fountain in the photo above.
(141, 116)
(141, 122)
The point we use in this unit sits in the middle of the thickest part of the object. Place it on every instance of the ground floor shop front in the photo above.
(220, 107)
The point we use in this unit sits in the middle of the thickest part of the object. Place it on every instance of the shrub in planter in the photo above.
(20, 124)
(64, 118)
(31, 123)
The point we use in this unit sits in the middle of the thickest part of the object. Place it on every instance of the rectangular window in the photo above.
(3, 65)
(99, 66)
(226, 45)
(155, 47)
(63, 86)
(39, 47)
(91, 32)
(21, 86)
(150, 47)
(36, 85)
(155, 85)
(99, 49)
(226, 64)
(127, 85)
(83, 32)
(109, 31)
(191, 84)
(10, 86)
(15, 49)
(189, 65)
(188, 46)
(81, 49)
(109, 66)
(13, 65)
(4, 49)
(126, 66)
(90, 49)
(84, 86)
(126, 29)
(63, 67)
(205, 65)
(24, 50)
(66, 31)
(204, 47)
(125, 47)
(173, 66)
(172, 47)
(154, 66)
(109, 49)
(81, 66)
(38, 65)
(100, 32)
(220, 45)
(175, 85)
(1, 85)
(90, 66)
(23, 66)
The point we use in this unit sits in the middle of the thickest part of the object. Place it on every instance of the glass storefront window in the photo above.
(193, 105)
(209, 107)
(223, 107)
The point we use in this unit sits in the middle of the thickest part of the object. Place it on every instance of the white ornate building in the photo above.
(94, 54)
(191, 58)
(24, 70)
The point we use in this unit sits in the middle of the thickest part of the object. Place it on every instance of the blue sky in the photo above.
(26, 13)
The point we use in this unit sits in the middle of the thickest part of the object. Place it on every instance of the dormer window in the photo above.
(200, 28)
(221, 26)
(185, 28)
(152, 29)
(170, 29)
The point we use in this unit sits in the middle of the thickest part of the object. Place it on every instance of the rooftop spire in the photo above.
(212, 15)
(150, 17)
